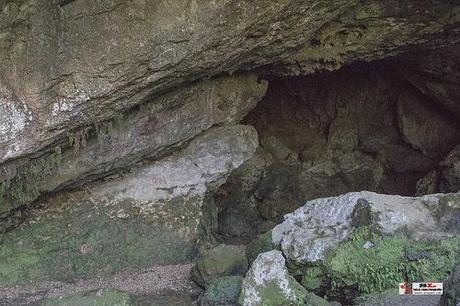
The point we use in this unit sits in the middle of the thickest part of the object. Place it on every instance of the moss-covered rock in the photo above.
(87, 240)
(222, 260)
(222, 291)
(369, 263)
(269, 283)
(261, 244)
(321, 225)
(154, 215)
(106, 297)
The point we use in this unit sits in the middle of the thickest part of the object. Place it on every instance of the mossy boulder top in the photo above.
(269, 283)
(320, 225)
(222, 260)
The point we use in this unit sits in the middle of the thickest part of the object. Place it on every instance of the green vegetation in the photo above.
(312, 278)
(25, 187)
(261, 244)
(391, 260)
(222, 260)
(224, 290)
(84, 241)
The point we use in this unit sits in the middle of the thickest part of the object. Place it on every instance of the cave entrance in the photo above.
(364, 127)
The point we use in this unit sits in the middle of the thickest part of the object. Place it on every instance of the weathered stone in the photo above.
(222, 291)
(320, 225)
(155, 129)
(425, 127)
(269, 283)
(450, 178)
(68, 66)
(356, 32)
(238, 214)
(151, 215)
(429, 184)
(222, 260)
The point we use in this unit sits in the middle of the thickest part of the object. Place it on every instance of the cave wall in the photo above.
(364, 127)
(138, 133)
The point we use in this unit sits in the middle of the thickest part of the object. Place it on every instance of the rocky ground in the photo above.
(155, 281)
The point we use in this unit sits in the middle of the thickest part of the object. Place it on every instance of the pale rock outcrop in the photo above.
(156, 128)
(322, 224)
(269, 283)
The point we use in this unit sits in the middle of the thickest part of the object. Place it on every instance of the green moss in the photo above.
(26, 185)
(224, 290)
(272, 295)
(3, 206)
(390, 261)
(223, 260)
(261, 244)
(107, 297)
(312, 278)
(85, 242)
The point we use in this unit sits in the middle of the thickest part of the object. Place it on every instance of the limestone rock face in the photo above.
(321, 225)
(154, 214)
(70, 64)
(155, 129)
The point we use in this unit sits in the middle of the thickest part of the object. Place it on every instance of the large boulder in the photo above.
(365, 243)
(222, 291)
(307, 234)
(157, 213)
(222, 260)
(269, 283)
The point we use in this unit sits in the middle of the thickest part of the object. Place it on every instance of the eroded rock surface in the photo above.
(364, 127)
(156, 214)
(308, 233)
(155, 129)
(269, 283)
(69, 66)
